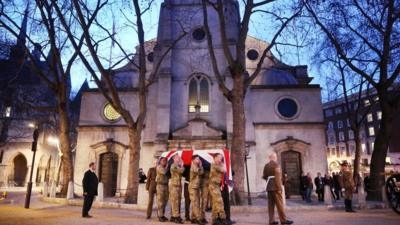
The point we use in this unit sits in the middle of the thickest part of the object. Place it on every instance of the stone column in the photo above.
(100, 194)
(70, 192)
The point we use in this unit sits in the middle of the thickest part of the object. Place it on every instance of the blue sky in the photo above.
(120, 13)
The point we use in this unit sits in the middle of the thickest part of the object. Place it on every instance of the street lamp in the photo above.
(34, 147)
(247, 173)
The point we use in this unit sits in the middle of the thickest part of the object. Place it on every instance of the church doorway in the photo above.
(291, 165)
(109, 173)
(20, 170)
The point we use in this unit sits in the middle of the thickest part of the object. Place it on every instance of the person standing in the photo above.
(90, 183)
(348, 186)
(273, 175)
(329, 182)
(226, 200)
(217, 205)
(151, 188)
(142, 176)
(186, 176)
(319, 187)
(336, 185)
(162, 189)
(302, 189)
(196, 170)
(204, 195)
(175, 188)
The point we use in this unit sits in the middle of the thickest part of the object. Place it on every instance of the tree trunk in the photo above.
(381, 145)
(65, 144)
(133, 171)
(239, 136)
(357, 154)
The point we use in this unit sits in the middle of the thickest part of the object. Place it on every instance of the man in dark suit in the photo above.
(89, 183)
(151, 188)
(273, 175)
(319, 187)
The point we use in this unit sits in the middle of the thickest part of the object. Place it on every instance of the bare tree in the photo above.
(241, 79)
(364, 35)
(354, 90)
(107, 85)
(55, 74)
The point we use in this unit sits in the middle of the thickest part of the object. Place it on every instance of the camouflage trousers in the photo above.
(162, 198)
(217, 204)
(348, 193)
(175, 195)
(195, 201)
(204, 200)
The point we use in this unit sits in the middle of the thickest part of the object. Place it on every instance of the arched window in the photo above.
(199, 94)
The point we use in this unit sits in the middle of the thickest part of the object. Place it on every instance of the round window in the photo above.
(199, 34)
(287, 108)
(150, 57)
(110, 113)
(252, 54)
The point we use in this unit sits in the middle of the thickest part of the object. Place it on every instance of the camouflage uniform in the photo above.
(161, 190)
(204, 193)
(346, 181)
(194, 190)
(175, 188)
(217, 204)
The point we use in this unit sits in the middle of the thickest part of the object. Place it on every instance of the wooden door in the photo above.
(109, 173)
(291, 165)
(20, 170)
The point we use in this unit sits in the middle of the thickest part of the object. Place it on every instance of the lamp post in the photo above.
(247, 173)
(29, 187)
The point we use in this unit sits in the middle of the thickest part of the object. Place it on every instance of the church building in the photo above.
(186, 110)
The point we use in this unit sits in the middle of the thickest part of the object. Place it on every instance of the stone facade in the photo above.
(187, 110)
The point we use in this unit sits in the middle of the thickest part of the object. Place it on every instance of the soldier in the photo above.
(273, 175)
(162, 189)
(175, 188)
(196, 170)
(348, 186)
(214, 186)
(204, 195)
(151, 188)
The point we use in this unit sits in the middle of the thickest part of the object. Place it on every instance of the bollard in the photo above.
(284, 196)
(100, 194)
(384, 197)
(45, 189)
(70, 192)
(328, 200)
(53, 190)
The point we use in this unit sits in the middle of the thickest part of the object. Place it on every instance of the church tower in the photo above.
(186, 74)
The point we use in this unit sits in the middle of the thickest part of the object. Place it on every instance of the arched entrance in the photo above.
(20, 170)
(291, 165)
(108, 172)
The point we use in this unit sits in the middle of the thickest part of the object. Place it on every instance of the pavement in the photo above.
(44, 213)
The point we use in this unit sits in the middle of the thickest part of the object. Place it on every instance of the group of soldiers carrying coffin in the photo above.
(202, 184)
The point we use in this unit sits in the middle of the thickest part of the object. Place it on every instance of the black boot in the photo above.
(348, 206)
(204, 221)
(351, 206)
